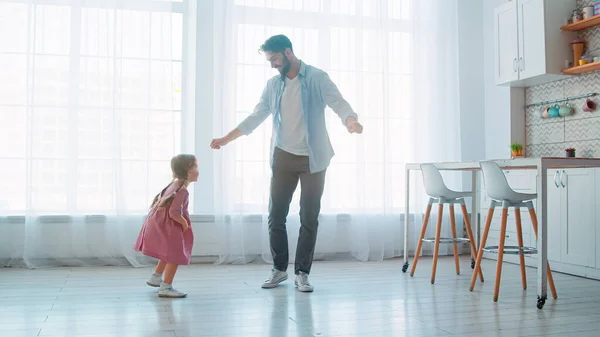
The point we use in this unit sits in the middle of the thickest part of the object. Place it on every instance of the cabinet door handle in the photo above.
(561, 178)
(521, 64)
(555, 176)
(515, 64)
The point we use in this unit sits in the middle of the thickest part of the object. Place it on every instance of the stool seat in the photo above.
(516, 197)
(450, 194)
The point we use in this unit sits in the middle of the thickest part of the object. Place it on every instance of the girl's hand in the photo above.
(185, 227)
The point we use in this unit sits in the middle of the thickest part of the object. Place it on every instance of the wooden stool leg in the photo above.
(454, 245)
(520, 240)
(421, 237)
(436, 245)
(550, 279)
(484, 235)
(470, 235)
(500, 253)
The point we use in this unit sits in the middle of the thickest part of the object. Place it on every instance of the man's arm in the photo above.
(334, 99)
(260, 113)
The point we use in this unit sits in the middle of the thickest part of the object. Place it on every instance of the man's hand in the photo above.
(217, 143)
(353, 125)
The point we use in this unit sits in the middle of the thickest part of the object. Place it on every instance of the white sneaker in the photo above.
(155, 280)
(167, 290)
(302, 283)
(277, 276)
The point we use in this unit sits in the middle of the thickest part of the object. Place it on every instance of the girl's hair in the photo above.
(180, 165)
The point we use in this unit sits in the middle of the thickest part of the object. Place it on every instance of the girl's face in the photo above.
(193, 172)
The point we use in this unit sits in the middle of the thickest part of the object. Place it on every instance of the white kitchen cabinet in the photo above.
(572, 219)
(578, 217)
(555, 210)
(530, 48)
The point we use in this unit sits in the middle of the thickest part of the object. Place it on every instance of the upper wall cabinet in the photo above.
(530, 48)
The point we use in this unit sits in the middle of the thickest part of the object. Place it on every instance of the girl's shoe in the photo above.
(155, 280)
(167, 290)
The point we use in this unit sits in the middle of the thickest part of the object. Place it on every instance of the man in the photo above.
(300, 150)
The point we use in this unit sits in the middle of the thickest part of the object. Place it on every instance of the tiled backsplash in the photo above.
(550, 136)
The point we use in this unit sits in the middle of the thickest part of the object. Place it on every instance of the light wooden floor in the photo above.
(350, 299)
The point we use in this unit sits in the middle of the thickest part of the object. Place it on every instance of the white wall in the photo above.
(497, 99)
(471, 79)
(504, 122)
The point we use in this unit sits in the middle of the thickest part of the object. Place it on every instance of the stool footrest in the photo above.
(447, 240)
(516, 250)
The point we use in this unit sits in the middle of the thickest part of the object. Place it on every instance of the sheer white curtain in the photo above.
(91, 111)
(395, 61)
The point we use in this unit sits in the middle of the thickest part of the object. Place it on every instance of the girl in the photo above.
(167, 233)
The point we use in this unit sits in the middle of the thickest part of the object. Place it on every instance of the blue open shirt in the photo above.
(317, 91)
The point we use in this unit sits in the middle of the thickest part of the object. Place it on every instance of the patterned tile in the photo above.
(582, 129)
(583, 3)
(585, 149)
(545, 150)
(545, 133)
(592, 38)
(545, 92)
(579, 85)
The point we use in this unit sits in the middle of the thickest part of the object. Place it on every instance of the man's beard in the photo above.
(286, 66)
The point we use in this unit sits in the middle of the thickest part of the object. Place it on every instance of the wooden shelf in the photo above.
(583, 24)
(586, 68)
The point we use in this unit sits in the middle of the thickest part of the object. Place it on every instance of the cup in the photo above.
(565, 110)
(589, 105)
(582, 62)
(588, 12)
(553, 111)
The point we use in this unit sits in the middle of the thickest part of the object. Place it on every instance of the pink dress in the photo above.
(162, 237)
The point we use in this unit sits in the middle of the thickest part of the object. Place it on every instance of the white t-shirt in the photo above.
(292, 138)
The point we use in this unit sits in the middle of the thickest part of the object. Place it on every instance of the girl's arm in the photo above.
(176, 209)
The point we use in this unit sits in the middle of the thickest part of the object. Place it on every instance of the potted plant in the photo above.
(517, 150)
(570, 152)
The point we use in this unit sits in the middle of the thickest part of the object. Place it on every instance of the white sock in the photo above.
(155, 274)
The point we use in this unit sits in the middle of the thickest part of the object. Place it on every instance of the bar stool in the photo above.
(498, 189)
(438, 192)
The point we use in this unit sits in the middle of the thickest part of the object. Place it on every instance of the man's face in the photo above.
(278, 61)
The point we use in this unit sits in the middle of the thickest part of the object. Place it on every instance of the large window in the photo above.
(367, 51)
(90, 103)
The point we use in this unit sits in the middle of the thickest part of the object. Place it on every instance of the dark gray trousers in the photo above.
(288, 169)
